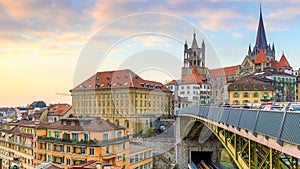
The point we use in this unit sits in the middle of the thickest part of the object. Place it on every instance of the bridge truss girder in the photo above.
(248, 154)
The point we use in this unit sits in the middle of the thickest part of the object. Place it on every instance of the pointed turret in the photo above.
(261, 40)
(194, 44)
(284, 62)
(249, 50)
(273, 47)
(203, 44)
(185, 45)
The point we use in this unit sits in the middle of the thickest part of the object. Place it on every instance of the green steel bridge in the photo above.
(253, 138)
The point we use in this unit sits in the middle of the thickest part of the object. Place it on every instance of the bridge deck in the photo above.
(278, 130)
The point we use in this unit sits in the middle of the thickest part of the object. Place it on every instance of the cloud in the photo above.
(285, 13)
(237, 35)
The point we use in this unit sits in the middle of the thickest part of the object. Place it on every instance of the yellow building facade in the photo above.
(249, 90)
(124, 98)
(68, 142)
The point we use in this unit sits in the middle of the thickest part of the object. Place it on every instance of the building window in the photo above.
(86, 137)
(56, 134)
(64, 123)
(49, 146)
(119, 158)
(91, 151)
(236, 95)
(49, 133)
(236, 87)
(74, 149)
(255, 87)
(107, 150)
(255, 94)
(265, 87)
(72, 123)
(68, 149)
(75, 136)
(105, 136)
(119, 134)
(49, 158)
(82, 150)
(245, 87)
(245, 95)
(68, 161)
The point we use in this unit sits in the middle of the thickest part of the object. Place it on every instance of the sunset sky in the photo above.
(41, 41)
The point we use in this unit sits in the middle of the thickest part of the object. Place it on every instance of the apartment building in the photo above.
(123, 98)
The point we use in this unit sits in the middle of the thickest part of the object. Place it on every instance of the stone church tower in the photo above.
(194, 56)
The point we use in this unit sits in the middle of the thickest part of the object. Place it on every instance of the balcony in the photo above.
(84, 143)
(108, 156)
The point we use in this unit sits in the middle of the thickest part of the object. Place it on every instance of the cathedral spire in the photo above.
(194, 44)
(261, 41)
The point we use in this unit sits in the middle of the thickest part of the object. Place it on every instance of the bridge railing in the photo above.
(283, 126)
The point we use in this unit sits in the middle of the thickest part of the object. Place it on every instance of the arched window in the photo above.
(246, 94)
(126, 124)
(117, 122)
(236, 95)
(255, 94)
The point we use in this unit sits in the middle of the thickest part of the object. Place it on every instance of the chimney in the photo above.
(98, 165)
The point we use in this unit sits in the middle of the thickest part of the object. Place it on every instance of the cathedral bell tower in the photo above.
(194, 56)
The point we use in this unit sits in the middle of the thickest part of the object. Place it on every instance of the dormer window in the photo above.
(72, 123)
(64, 123)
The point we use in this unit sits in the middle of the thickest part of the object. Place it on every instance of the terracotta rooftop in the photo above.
(172, 82)
(90, 124)
(59, 109)
(275, 64)
(226, 71)
(16, 131)
(194, 77)
(33, 124)
(261, 57)
(119, 79)
(283, 61)
(249, 84)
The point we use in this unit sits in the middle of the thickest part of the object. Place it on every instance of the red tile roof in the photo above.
(275, 64)
(226, 71)
(261, 57)
(91, 124)
(194, 77)
(118, 79)
(59, 109)
(171, 82)
(249, 82)
(283, 61)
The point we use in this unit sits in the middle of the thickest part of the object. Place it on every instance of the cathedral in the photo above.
(262, 56)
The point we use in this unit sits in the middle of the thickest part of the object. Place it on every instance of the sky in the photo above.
(48, 47)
